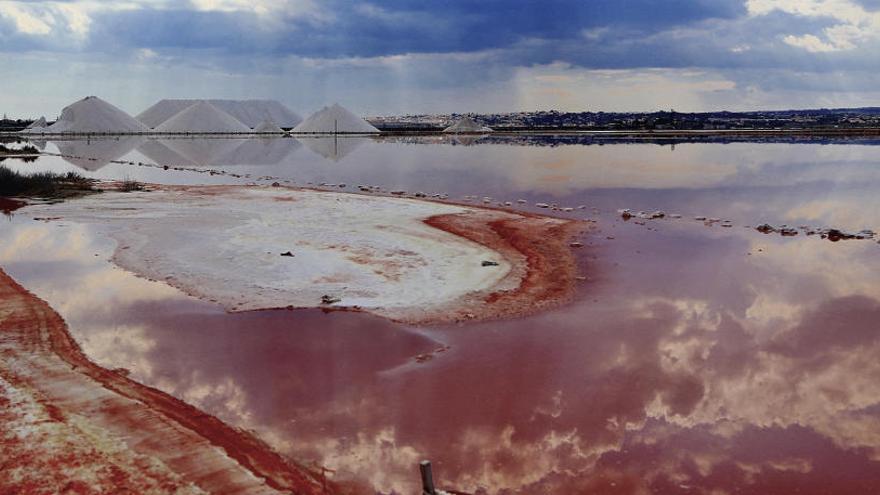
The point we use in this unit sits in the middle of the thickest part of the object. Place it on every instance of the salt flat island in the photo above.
(409, 260)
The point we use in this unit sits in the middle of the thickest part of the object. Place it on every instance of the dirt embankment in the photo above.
(537, 247)
(70, 426)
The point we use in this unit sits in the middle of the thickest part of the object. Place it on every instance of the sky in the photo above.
(422, 56)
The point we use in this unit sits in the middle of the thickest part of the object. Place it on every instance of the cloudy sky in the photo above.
(398, 56)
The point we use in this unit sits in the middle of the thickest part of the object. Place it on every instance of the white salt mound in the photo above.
(334, 120)
(202, 117)
(467, 124)
(268, 126)
(37, 124)
(94, 115)
(250, 112)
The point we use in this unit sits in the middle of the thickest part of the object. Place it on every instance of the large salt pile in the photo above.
(202, 118)
(466, 125)
(334, 120)
(268, 126)
(250, 112)
(92, 115)
(36, 126)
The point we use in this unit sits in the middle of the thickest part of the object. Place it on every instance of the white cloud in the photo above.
(306, 9)
(855, 24)
(26, 19)
(60, 18)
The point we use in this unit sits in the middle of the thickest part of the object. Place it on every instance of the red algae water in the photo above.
(697, 356)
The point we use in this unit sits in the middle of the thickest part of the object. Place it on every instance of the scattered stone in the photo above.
(521, 201)
(576, 244)
(700, 218)
(625, 214)
(327, 299)
(835, 235)
(398, 192)
(542, 205)
(765, 228)
(276, 184)
(489, 263)
(288, 253)
(788, 232)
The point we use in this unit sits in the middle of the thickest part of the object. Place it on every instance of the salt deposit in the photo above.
(202, 118)
(334, 120)
(378, 254)
(268, 126)
(466, 125)
(92, 115)
(249, 112)
(36, 126)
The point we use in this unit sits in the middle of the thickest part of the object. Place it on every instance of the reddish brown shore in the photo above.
(544, 271)
(69, 426)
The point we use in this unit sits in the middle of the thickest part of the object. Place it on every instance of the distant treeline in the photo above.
(10, 125)
(823, 118)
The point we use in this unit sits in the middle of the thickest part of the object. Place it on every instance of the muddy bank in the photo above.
(409, 260)
(67, 424)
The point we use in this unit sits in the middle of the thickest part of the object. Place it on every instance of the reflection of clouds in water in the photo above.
(700, 366)
(855, 210)
(84, 289)
(33, 242)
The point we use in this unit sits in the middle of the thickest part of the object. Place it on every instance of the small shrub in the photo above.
(43, 184)
(129, 185)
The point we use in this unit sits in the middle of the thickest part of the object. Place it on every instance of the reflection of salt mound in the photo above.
(202, 152)
(268, 127)
(160, 154)
(202, 117)
(261, 151)
(334, 120)
(249, 112)
(93, 154)
(333, 148)
(467, 124)
(94, 115)
(465, 140)
(215, 152)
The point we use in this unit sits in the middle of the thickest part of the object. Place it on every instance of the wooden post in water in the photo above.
(427, 478)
